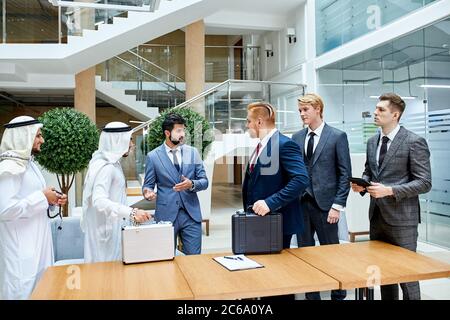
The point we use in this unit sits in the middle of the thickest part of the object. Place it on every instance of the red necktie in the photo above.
(252, 164)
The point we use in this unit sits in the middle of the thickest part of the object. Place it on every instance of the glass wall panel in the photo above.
(170, 58)
(338, 22)
(1, 20)
(417, 67)
(30, 21)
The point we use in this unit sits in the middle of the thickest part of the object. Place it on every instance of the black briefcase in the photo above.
(252, 233)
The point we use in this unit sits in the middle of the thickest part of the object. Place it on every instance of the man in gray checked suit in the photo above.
(327, 158)
(398, 167)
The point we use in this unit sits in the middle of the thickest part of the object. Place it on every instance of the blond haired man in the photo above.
(327, 158)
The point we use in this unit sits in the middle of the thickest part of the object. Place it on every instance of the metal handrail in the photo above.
(182, 46)
(149, 74)
(206, 46)
(156, 66)
(152, 7)
(213, 89)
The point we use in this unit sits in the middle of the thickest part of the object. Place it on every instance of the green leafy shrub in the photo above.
(70, 140)
(198, 131)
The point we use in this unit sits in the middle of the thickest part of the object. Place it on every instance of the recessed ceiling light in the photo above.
(403, 97)
(438, 86)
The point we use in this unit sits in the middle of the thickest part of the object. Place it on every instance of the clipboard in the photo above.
(237, 262)
(360, 182)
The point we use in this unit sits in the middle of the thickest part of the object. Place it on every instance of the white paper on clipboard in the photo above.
(238, 262)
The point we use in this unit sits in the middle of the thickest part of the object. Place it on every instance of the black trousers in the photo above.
(315, 221)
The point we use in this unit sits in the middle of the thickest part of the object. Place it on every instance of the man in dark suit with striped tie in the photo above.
(276, 173)
(398, 167)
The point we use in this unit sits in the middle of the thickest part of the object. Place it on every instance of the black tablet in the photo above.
(360, 182)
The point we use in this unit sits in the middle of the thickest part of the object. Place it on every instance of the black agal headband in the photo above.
(121, 129)
(21, 124)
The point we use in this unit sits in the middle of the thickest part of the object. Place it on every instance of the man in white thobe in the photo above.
(105, 208)
(26, 248)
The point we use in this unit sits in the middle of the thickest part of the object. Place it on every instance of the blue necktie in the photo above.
(175, 159)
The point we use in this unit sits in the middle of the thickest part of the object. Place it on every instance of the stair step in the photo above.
(104, 26)
(119, 20)
(89, 33)
(74, 40)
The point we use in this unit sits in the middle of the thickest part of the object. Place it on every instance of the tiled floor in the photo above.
(226, 199)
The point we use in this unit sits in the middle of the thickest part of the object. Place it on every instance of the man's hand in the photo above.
(260, 208)
(149, 195)
(141, 216)
(333, 216)
(186, 184)
(62, 200)
(357, 188)
(378, 190)
(51, 195)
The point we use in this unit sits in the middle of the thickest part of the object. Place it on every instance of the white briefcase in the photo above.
(144, 243)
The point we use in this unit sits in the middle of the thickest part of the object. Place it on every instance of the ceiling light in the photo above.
(439, 86)
(403, 97)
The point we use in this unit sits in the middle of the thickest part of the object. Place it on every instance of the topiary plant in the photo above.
(196, 130)
(70, 140)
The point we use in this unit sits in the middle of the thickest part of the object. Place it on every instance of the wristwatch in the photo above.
(193, 186)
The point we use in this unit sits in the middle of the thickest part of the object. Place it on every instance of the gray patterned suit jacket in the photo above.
(406, 168)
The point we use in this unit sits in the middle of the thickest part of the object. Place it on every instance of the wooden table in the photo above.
(114, 280)
(354, 264)
(330, 267)
(282, 274)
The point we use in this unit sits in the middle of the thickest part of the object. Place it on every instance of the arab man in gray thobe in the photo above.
(26, 248)
(105, 208)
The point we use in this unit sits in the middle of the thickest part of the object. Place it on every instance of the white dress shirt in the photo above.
(391, 137)
(263, 143)
(179, 158)
(170, 154)
(318, 134)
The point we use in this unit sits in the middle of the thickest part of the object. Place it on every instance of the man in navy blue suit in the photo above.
(276, 174)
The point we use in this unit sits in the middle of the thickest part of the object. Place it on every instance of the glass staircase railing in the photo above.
(52, 21)
(151, 63)
(159, 72)
(221, 62)
(128, 5)
(76, 16)
(225, 107)
(136, 76)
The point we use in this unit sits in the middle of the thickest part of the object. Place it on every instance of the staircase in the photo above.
(138, 86)
(124, 102)
(96, 46)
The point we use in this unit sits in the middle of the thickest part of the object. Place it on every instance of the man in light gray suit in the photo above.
(327, 158)
(177, 171)
(398, 167)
